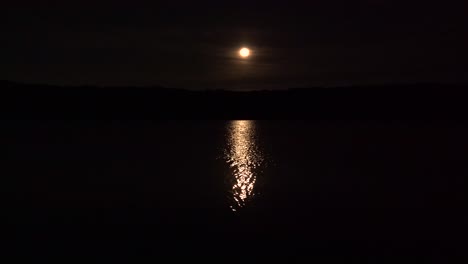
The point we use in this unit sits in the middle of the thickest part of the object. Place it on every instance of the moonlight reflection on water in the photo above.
(244, 158)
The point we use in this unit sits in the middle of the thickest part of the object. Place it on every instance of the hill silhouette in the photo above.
(386, 102)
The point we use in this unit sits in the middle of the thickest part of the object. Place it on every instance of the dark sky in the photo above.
(194, 44)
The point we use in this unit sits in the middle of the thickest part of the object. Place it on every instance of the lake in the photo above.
(241, 190)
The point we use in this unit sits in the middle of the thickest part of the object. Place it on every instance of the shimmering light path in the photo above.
(244, 158)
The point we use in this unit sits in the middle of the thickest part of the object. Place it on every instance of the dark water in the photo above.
(240, 190)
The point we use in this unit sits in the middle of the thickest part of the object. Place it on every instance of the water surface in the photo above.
(245, 159)
(275, 187)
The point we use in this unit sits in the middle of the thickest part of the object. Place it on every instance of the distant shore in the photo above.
(400, 102)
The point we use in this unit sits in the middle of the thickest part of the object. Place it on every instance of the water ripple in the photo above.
(243, 156)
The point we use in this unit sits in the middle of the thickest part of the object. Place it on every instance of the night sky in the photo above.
(194, 44)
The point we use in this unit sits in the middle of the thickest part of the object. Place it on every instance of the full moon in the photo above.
(244, 52)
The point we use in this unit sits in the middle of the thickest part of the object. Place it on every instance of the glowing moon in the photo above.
(244, 52)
